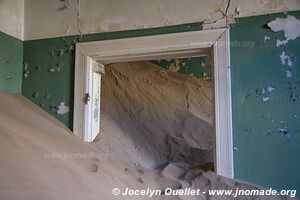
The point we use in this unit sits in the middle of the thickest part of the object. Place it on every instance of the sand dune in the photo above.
(157, 129)
(28, 136)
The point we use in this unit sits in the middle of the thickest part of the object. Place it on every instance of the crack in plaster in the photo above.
(78, 18)
(220, 18)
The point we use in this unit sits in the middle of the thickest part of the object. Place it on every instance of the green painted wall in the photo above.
(266, 131)
(11, 58)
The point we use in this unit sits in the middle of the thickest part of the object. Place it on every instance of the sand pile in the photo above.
(42, 159)
(155, 117)
(139, 148)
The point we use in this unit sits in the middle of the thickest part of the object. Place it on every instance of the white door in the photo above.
(92, 101)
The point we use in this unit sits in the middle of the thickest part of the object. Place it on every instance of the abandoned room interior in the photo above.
(149, 99)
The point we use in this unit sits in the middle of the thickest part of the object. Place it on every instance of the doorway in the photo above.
(91, 57)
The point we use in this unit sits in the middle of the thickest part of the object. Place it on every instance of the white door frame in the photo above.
(215, 41)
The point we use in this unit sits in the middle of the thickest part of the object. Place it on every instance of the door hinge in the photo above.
(86, 98)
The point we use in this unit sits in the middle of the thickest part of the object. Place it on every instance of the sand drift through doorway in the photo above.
(92, 56)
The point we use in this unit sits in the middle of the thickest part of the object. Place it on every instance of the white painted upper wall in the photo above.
(46, 19)
(12, 17)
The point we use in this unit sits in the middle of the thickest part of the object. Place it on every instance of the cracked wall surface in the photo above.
(74, 17)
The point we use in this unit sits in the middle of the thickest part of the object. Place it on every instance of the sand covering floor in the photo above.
(156, 134)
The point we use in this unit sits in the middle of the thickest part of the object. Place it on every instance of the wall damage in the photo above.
(222, 17)
(62, 109)
(71, 17)
(289, 25)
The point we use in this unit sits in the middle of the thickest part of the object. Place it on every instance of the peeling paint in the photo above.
(289, 25)
(286, 132)
(55, 68)
(285, 59)
(8, 77)
(270, 89)
(266, 38)
(35, 95)
(265, 99)
(263, 93)
(26, 70)
(62, 109)
(199, 67)
(174, 67)
(205, 76)
(289, 74)
(59, 52)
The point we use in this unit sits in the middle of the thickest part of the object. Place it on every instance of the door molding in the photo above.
(194, 43)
